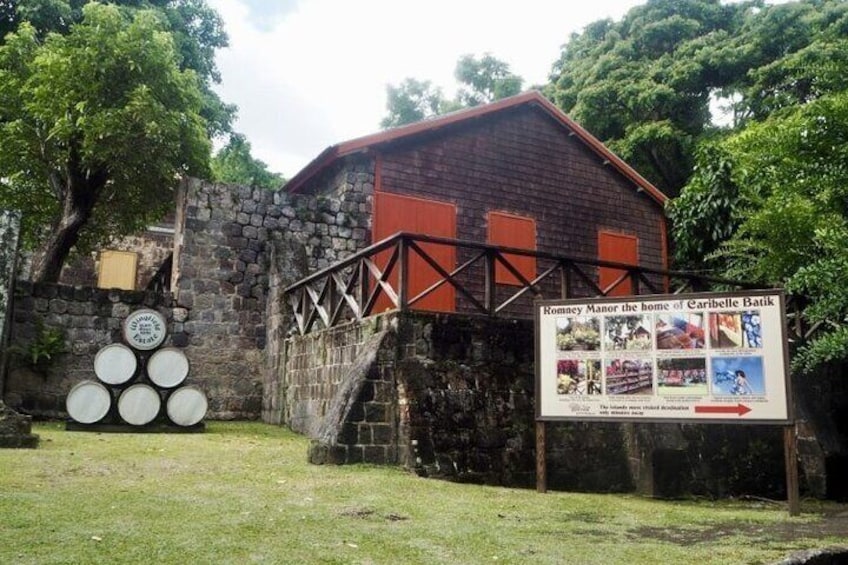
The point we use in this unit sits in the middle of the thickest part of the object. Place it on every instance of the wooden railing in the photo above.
(350, 289)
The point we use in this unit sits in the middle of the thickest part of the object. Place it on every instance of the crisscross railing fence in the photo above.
(378, 279)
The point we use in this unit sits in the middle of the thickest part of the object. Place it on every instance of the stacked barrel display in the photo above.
(139, 385)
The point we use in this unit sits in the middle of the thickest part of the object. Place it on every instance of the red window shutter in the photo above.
(395, 213)
(509, 230)
(620, 248)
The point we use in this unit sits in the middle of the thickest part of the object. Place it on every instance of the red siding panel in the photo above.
(510, 230)
(394, 213)
(620, 248)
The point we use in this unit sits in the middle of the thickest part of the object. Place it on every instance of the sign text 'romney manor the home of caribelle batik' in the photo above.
(696, 357)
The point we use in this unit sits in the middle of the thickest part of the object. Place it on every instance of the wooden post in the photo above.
(634, 282)
(541, 465)
(403, 275)
(790, 452)
(564, 281)
(490, 282)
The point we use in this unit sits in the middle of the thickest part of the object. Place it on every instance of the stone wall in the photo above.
(152, 248)
(339, 393)
(467, 385)
(453, 396)
(235, 249)
(445, 396)
(88, 320)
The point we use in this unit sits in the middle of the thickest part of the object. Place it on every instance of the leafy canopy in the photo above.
(412, 101)
(197, 31)
(773, 209)
(95, 126)
(233, 163)
(647, 85)
(484, 80)
(487, 79)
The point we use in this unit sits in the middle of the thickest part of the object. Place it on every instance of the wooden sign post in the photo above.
(682, 358)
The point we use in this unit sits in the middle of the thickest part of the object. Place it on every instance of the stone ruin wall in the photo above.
(152, 249)
(446, 396)
(453, 396)
(234, 248)
(239, 247)
(90, 319)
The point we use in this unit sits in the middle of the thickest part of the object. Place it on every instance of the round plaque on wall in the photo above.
(145, 329)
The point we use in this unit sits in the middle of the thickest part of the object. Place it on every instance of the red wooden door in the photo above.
(394, 213)
(621, 248)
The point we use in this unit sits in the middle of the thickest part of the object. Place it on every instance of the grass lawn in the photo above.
(243, 493)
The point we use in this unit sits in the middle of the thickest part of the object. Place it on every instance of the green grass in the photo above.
(243, 493)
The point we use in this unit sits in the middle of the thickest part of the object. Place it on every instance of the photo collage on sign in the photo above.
(578, 367)
(737, 368)
(677, 354)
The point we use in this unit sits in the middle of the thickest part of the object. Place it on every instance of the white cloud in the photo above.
(313, 73)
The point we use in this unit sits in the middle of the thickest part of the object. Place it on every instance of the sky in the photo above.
(307, 74)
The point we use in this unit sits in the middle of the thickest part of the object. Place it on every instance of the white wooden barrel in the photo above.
(145, 329)
(168, 367)
(187, 406)
(88, 402)
(139, 404)
(115, 364)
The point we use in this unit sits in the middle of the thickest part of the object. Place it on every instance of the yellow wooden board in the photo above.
(117, 269)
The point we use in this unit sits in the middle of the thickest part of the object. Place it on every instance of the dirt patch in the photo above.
(368, 512)
(830, 525)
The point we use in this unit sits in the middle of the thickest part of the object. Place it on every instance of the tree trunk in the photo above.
(76, 210)
(81, 190)
(57, 248)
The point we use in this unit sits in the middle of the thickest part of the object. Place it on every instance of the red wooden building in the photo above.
(515, 173)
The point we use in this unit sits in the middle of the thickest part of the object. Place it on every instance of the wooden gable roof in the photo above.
(382, 140)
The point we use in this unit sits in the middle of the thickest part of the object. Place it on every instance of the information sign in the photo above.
(699, 357)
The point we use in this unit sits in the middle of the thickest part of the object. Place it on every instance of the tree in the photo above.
(233, 163)
(782, 188)
(196, 28)
(485, 80)
(645, 85)
(412, 101)
(96, 126)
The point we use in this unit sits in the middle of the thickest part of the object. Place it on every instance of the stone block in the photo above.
(376, 411)
(15, 429)
(382, 434)
(375, 454)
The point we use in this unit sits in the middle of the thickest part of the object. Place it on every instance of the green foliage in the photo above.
(197, 31)
(779, 190)
(43, 348)
(485, 80)
(707, 212)
(412, 101)
(95, 126)
(234, 164)
(644, 84)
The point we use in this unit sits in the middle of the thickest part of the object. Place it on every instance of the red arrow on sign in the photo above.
(739, 409)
